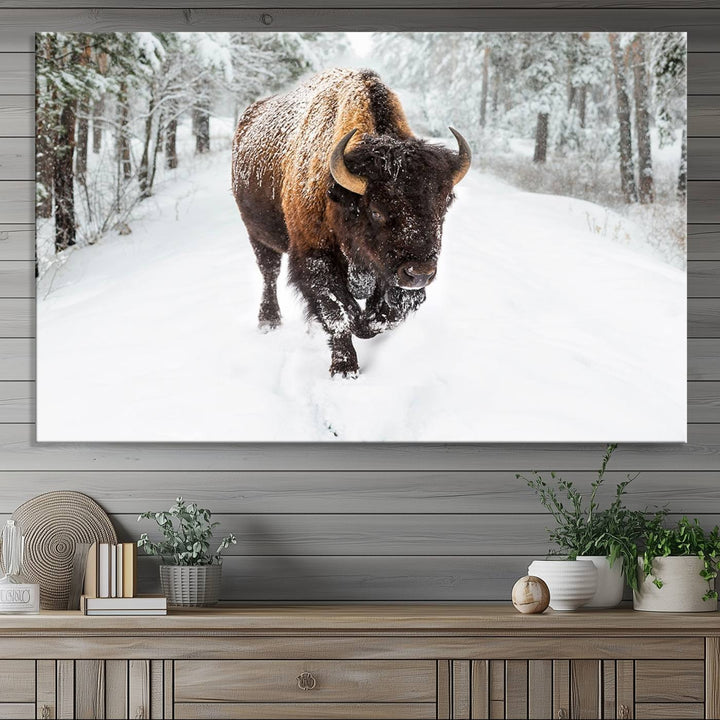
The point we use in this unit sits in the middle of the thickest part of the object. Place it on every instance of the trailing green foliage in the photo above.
(187, 531)
(685, 539)
(584, 528)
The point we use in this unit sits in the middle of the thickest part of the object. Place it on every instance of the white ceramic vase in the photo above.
(571, 582)
(610, 582)
(682, 589)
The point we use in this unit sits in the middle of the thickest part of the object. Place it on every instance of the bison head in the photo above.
(392, 196)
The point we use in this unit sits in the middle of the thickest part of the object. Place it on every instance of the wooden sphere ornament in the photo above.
(530, 594)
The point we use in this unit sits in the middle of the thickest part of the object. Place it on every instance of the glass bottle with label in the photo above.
(17, 595)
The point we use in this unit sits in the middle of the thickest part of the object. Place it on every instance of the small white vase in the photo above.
(571, 582)
(610, 582)
(683, 588)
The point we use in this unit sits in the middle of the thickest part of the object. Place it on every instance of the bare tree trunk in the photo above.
(98, 112)
(156, 150)
(541, 138)
(682, 175)
(484, 87)
(45, 140)
(202, 128)
(646, 186)
(582, 105)
(627, 169)
(63, 179)
(83, 130)
(171, 159)
(144, 170)
(123, 139)
(44, 166)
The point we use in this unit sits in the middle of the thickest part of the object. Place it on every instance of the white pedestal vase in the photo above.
(610, 582)
(683, 588)
(571, 582)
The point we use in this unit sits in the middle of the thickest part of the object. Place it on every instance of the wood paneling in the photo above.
(17, 711)
(671, 711)
(46, 689)
(712, 677)
(65, 688)
(540, 682)
(17, 681)
(584, 688)
(89, 689)
(669, 681)
(357, 522)
(116, 686)
(306, 711)
(20, 24)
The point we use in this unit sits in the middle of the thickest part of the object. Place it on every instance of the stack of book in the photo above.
(111, 583)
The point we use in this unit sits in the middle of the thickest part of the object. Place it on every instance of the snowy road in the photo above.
(543, 325)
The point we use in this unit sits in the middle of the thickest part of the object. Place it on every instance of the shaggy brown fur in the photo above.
(382, 245)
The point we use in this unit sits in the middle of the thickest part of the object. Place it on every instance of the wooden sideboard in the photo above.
(361, 662)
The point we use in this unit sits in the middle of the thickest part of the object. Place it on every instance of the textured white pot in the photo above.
(571, 582)
(610, 582)
(682, 589)
(191, 585)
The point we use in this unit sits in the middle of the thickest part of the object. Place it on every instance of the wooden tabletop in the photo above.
(370, 619)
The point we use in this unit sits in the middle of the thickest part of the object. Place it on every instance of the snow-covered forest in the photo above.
(565, 248)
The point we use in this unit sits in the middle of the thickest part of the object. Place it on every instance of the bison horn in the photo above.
(339, 171)
(464, 156)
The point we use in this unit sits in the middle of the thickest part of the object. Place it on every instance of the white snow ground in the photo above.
(549, 321)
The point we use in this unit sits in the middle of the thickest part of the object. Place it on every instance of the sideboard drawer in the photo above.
(306, 711)
(299, 681)
(672, 681)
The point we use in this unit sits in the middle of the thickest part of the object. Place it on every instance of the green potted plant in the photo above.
(190, 573)
(677, 568)
(583, 530)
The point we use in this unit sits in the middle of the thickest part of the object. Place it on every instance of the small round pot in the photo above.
(191, 585)
(682, 589)
(610, 582)
(571, 582)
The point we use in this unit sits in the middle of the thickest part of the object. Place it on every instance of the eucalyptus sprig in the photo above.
(187, 530)
(686, 539)
(582, 527)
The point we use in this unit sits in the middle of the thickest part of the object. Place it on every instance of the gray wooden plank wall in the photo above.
(356, 522)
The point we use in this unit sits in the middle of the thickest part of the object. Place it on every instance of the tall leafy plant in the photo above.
(583, 527)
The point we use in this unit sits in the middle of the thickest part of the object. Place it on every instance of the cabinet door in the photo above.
(528, 689)
(82, 689)
(623, 689)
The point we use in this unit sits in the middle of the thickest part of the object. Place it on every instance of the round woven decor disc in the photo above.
(52, 524)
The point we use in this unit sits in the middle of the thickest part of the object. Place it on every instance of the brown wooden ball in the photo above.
(530, 594)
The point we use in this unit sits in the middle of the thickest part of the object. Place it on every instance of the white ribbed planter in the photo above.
(191, 585)
(571, 582)
(610, 582)
(682, 589)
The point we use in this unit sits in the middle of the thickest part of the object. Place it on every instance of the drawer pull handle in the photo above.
(306, 681)
(562, 715)
(624, 713)
(45, 712)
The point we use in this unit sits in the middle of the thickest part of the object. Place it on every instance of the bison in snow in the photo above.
(331, 174)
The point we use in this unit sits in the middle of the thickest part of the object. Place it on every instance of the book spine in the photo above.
(120, 548)
(104, 570)
(113, 571)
